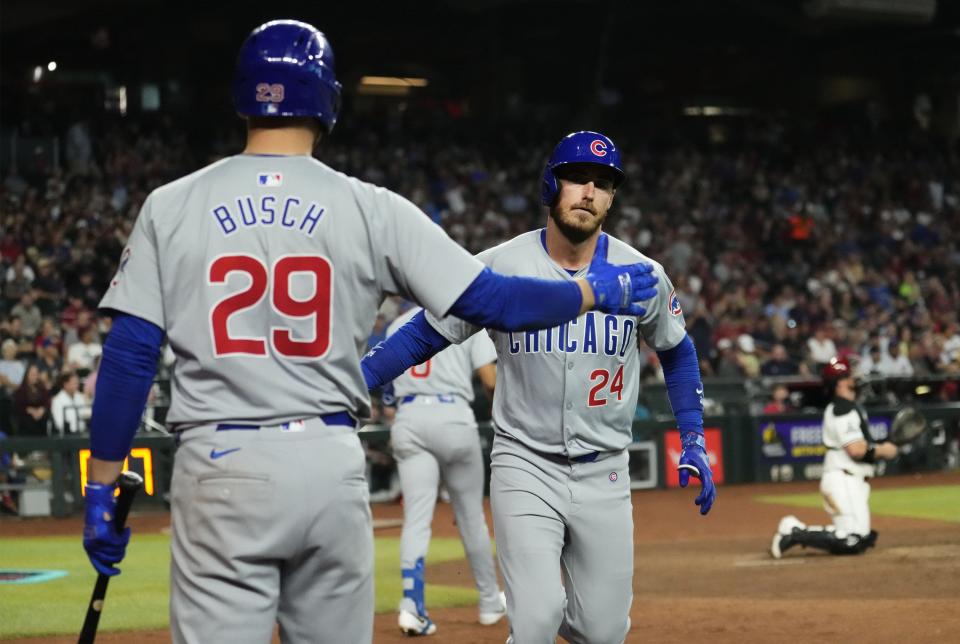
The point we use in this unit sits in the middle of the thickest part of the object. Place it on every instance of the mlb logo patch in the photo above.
(269, 179)
(674, 303)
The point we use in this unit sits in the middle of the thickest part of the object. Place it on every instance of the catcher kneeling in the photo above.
(847, 467)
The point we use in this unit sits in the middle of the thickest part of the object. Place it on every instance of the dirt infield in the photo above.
(712, 579)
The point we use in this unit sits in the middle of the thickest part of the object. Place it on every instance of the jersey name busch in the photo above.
(592, 334)
(248, 211)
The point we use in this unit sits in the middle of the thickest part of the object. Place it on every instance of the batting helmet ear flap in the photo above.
(549, 188)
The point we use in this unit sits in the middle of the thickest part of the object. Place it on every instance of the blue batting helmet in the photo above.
(580, 147)
(285, 68)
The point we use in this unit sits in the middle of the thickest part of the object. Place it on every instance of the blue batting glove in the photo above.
(694, 460)
(104, 545)
(618, 288)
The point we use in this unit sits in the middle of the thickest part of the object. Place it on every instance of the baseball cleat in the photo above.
(415, 625)
(789, 523)
(775, 550)
(492, 617)
(783, 539)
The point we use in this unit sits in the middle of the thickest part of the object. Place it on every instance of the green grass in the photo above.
(937, 502)
(138, 598)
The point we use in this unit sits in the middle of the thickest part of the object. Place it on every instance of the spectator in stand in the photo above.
(81, 354)
(727, 364)
(19, 280)
(29, 314)
(31, 403)
(12, 369)
(13, 330)
(895, 364)
(69, 409)
(49, 362)
(779, 401)
(779, 363)
(73, 311)
(747, 355)
(48, 330)
(821, 348)
(870, 364)
(48, 288)
(950, 353)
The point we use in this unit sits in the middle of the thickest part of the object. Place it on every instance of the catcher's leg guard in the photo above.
(827, 540)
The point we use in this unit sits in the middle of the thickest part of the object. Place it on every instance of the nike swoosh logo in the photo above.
(214, 454)
(699, 391)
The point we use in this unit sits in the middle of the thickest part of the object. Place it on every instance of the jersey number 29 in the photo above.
(317, 306)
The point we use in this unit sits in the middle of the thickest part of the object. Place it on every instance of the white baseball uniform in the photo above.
(266, 272)
(434, 438)
(560, 490)
(844, 485)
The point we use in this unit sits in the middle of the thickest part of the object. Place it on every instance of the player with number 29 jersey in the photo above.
(245, 264)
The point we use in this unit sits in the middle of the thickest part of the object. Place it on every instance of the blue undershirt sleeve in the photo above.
(126, 372)
(513, 303)
(681, 371)
(413, 343)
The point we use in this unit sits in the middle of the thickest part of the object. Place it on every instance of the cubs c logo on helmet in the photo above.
(599, 148)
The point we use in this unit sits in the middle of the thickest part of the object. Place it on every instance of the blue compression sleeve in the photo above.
(511, 303)
(413, 343)
(127, 368)
(681, 371)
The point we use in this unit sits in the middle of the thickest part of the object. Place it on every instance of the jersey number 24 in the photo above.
(601, 376)
(276, 279)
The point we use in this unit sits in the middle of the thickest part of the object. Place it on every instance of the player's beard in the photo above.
(575, 227)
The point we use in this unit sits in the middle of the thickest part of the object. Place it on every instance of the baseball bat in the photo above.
(129, 483)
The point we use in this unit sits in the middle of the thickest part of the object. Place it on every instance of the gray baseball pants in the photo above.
(271, 525)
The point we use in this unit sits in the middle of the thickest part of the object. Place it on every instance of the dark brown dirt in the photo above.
(711, 579)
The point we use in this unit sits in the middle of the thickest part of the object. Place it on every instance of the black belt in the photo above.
(590, 457)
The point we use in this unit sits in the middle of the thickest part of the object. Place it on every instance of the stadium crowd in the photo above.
(785, 248)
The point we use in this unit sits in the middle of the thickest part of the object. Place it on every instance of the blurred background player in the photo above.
(563, 412)
(435, 438)
(265, 271)
(847, 467)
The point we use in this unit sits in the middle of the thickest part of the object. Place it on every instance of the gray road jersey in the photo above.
(571, 389)
(448, 372)
(266, 272)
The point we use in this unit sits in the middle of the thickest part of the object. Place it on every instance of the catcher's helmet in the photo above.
(580, 147)
(285, 68)
(836, 370)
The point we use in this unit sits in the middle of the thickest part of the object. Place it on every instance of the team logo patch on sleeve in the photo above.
(675, 303)
(124, 260)
(269, 179)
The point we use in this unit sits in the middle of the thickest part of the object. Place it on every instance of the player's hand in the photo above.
(619, 288)
(694, 460)
(887, 450)
(104, 545)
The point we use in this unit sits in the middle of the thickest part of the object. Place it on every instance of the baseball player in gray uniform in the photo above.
(563, 412)
(265, 271)
(434, 437)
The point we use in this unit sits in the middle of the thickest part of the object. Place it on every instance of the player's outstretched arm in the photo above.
(513, 303)
(126, 373)
(681, 371)
(413, 343)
